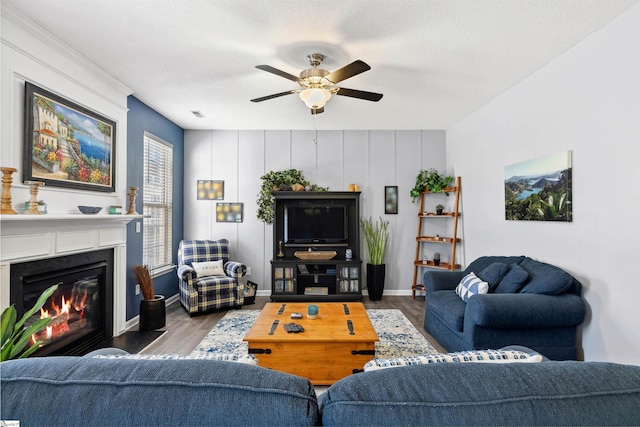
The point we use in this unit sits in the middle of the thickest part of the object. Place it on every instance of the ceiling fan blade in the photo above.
(360, 94)
(317, 110)
(275, 95)
(353, 69)
(270, 69)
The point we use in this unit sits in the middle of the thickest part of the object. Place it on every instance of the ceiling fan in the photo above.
(317, 85)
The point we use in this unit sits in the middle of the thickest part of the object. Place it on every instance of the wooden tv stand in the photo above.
(335, 279)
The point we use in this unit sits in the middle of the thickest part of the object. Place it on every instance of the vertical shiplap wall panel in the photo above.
(224, 166)
(330, 163)
(370, 159)
(382, 145)
(251, 233)
(356, 167)
(408, 150)
(277, 155)
(197, 158)
(356, 162)
(303, 153)
(434, 148)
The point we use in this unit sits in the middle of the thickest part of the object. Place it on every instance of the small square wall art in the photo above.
(210, 190)
(229, 212)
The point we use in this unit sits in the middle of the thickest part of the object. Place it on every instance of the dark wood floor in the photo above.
(184, 332)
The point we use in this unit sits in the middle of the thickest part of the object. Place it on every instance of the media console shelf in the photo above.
(321, 222)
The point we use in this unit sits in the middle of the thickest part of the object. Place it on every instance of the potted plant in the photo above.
(439, 209)
(375, 236)
(429, 180)
(15, 336)
(287, 180)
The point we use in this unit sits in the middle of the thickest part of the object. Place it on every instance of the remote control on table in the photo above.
(293, 328)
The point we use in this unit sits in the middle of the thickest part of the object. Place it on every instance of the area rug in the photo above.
(398, 337)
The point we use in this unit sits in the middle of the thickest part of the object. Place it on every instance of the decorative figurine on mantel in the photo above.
(132, 201)
(6, 191)
(33, 203)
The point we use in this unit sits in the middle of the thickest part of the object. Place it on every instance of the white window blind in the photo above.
(157, 202)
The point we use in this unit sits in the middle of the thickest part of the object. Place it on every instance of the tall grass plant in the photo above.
(375, 236)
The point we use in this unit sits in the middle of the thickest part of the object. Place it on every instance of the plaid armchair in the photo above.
(205, 292)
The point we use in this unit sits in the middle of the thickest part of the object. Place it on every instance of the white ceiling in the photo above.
(435, 61)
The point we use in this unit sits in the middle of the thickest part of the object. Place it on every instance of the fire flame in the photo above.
(60, 314)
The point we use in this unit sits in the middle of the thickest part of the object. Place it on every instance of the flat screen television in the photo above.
(315, 224)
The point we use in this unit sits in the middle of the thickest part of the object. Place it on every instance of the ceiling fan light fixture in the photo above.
(315, 98)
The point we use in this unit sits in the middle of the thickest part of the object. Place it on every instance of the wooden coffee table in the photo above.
(325, 352)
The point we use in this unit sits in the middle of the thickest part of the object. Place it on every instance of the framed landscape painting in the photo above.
(539, 189)
(67, 145)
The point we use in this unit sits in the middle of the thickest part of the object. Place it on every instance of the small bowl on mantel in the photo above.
(89, 210)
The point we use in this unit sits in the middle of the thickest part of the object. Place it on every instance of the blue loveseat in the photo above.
(529, 303)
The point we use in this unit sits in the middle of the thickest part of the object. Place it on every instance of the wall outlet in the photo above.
(137, 288)
(248, 271)
(138, 227)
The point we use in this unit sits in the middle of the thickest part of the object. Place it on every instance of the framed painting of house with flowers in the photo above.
(67, 145)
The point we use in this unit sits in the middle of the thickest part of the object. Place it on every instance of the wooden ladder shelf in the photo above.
(424, 240)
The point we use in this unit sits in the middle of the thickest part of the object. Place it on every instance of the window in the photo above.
(157, 203)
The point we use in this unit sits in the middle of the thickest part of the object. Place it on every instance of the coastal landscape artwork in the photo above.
(539, 189)
(67, 145)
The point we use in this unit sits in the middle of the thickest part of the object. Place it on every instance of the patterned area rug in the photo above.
(398, 337)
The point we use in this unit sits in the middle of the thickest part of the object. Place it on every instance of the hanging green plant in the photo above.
(287, 180)
(430, 180)
(375, 237)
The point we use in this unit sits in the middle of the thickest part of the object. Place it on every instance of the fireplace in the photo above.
(81, 308)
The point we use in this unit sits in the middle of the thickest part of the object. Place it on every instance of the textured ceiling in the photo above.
(435, 61)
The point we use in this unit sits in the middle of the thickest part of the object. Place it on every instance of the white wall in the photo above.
(29, 53)
(371, 159)
(587, 101)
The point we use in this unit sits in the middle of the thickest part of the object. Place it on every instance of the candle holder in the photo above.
(132, 201)
(7, 180)
(33, 203)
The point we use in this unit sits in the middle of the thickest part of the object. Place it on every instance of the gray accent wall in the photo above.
(334, 159)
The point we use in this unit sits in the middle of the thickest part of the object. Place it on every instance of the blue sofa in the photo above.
(85, 391)
(528, 394)
(529, 303)
(88, 391)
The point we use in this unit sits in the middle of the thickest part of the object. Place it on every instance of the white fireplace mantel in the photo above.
(32, 237)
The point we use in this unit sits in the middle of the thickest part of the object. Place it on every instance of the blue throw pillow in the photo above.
(545, 279)
(493, 273)
(513, 280)
(471, 285)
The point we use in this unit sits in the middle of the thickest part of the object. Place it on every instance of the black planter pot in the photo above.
(375, 281)
(152, 313)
